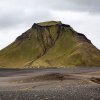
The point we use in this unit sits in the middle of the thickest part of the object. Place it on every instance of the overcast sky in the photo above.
(16, 16)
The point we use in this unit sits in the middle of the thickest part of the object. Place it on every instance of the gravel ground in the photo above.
(50, 84)
(69, 93)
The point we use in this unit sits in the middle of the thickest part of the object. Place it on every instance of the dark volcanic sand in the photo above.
(50, 84)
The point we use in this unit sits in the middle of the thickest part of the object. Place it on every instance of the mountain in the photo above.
(50, 44)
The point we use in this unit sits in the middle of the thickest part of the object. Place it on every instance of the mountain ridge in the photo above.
(50, 44)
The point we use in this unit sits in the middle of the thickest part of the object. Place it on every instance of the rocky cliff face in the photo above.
(50, 44)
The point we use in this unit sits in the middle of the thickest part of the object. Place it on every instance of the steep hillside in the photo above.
(50, 44)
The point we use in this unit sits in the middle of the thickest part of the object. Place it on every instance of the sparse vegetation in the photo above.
(50, 44)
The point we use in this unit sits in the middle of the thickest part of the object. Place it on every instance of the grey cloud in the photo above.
(91, 6)
(87, 5)
(16, 17)
(15, 12)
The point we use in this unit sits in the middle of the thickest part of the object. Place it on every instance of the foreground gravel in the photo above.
(69, 93)
(50, 84)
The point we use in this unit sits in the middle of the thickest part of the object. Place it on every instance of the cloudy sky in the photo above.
(16, 16)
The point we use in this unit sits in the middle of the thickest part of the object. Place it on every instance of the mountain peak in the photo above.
(49, 23)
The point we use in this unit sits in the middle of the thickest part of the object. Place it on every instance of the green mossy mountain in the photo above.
(50, 44)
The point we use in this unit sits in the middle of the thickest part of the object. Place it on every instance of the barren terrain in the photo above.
(50, 84)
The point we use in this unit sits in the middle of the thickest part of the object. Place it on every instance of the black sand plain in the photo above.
(50, 84)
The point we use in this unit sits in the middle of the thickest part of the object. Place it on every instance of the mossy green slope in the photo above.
(50, 44)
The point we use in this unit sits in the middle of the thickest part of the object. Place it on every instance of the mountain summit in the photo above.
(50, 44)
